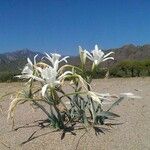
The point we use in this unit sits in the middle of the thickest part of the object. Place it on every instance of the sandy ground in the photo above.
(132, 134)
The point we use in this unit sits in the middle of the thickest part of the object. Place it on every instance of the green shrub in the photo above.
(132, 68)
(146, 65)
(7, 77)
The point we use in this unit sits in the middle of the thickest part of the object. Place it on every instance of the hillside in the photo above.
(132, 52)
(14, 61)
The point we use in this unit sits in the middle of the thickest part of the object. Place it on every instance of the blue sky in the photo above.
(62, 25)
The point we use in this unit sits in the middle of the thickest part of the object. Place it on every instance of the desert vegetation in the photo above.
(131, 69)
(65, 98)
(128, 68)
(44, 88)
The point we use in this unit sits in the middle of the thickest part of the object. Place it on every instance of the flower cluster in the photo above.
(48, 75)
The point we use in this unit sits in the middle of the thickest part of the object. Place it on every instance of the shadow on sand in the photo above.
(44, 124)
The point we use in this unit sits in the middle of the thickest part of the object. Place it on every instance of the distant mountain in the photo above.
(132, 52)
(14, 61)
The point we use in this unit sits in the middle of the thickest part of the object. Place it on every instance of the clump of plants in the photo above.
(64, 110)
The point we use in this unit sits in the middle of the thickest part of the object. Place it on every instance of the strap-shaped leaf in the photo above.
(108, 114)
(116, 103)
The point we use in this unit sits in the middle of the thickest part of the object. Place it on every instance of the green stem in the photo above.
(42, 108)
(93, 115)
(56, 97)
(59, 116)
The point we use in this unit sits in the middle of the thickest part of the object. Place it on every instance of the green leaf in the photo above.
(108, 114)
(116, 103)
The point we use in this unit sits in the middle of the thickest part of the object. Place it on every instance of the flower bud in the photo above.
(82, 55)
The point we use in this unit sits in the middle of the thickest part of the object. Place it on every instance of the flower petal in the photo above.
(35, 58)
(112, 58)
(89, 55)
(94, 96)
(64, 59)
(96, 47)
(29, 61)
(49, 57)
(44, 88)
(80, 49)
(108, 54)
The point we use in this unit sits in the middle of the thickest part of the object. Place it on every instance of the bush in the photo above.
(146, 64)
(7, 77)
(132, 68)
(97, 73)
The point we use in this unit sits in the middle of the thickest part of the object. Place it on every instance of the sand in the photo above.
(133, 133)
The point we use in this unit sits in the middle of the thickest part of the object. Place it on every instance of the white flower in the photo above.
(50, 77)
(54, 59)
(102, 98)
(94, 96)
(28, 70)
(82, 55)
(49, 74)
(98, 55)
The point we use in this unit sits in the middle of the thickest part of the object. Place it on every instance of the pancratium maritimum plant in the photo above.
(81, 105)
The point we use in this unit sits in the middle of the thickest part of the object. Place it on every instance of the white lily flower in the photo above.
(27, 71)
(54, 59)
(50, 77)
(98, 55)
(102, 98)
(94, 96)
(82, 55)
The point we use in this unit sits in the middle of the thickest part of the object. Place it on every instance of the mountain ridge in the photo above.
(12, 61)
